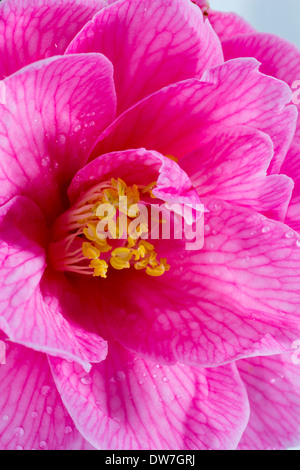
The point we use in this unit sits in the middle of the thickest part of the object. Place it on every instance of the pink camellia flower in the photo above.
(134, 343)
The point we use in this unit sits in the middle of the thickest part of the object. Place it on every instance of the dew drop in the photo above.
(45, 390)
(34, 414)
(43, 445)
(298, 243)
(19, 432)
(5, 418)
(49, 410)
(68, 430)
(165, 379)
(61, 139)
(77, 128)
(265, 229)
(120, 375)
(290, 234)
(45, 161)
(86, 380)
(19, 448)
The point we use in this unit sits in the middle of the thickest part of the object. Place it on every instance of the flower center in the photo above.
(104, 229)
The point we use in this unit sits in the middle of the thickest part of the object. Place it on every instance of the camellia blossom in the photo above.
(128, 342)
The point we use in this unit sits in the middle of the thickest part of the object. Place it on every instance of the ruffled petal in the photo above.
(32, 415)
(291, 167)
(228, 24)
(138, 166)
(279, 58)
(179, 118)
(273, 388)
(55, 109)
(34, 30)
(129, 403)
(233, 167)
(151, 44)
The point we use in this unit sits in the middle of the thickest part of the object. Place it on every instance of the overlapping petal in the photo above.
(54, 111)
(25, 315)
(279, 58)
(233, 167)
(151, 44)
(31, 30)
(179, 118)
(177, 407)
(273, 388)
(33, 416)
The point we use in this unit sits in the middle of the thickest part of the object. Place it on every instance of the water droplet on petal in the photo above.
(290, 234)
(34, 414)
(77, 128)
(49, 410)
(19, 448)
(86, 380)
(19, 432)
(45, 390)
(298, 243)
(266, 229)
(43, 445)
(45, 161)
(5, 418)
(61, 139)
(68, 430)
(120, 375)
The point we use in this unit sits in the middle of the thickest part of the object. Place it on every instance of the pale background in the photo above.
(280, 17)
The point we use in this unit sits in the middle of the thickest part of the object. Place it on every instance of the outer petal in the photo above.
(273, 387)
(24, 315)
(233, 167)
(179, 118)
(130, 403)
(32, 415)
(151, 44)
(31, 30)
(54, 110)
(227, 25)
(237, 297)
(291, 167)
(279, 58)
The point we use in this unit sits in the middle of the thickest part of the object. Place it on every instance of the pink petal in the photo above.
(151, 44)
(179, 118)
(291, 167)
(25, 317)
(138, 166)
(32, 415)
(55, 108)
(227, 25)
(236, 297)
(30, 31)
(233, 167)
(273, 387)
(129, 403)
(279, 58)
